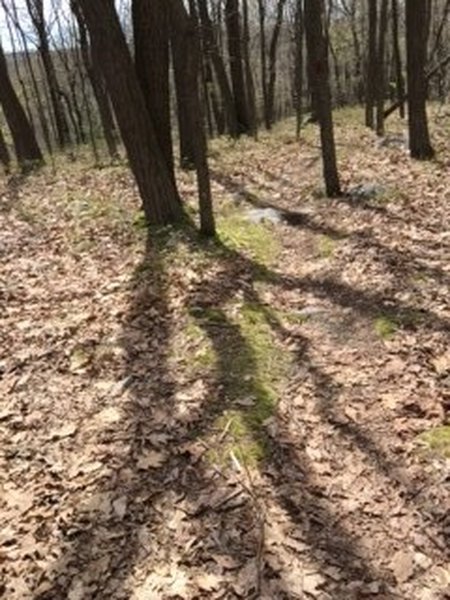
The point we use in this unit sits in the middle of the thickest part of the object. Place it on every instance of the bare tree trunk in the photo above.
(110, 52)
(98, 86)
(273, 64)
(371, 70)
(400, 82)
(251, 99)
(36, 11)
(381, 67)
(318, 74)
(416, 46)
(151, 58)
(185, 27)
(233, 26)
(299, 64)
(5, 158)
(25, 144)
(213, 52)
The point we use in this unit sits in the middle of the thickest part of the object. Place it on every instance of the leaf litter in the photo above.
(151, 444)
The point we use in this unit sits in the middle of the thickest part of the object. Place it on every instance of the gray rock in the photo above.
(265, 215)
(366, 191)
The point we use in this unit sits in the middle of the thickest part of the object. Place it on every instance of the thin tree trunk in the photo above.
(251, 98)
(273, 64)
(36, 11)
(214, 54)
(400, 87)
(381, 67)
(233, 26)
(371, 70)
(299, 64)
(318, 74)
(185, 27)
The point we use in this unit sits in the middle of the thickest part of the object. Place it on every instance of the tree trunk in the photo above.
(98, 86)
(318, 74)
(25, 144)
(251, 99)
(5, 158)
(213, 53)
(273, 64)
(110, 52)
(36, 11)
(185, 28)
(236, 69)
(151, 58)
(416, 46)
(299, 66)
(381, 66)
(400, 82)
(371, 70)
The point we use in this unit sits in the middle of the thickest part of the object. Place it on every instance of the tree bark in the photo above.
(233, 26)
(151, 58)
(185, 28)
(5, 158)
(36, 11)
(98, 86)
(416, 47)
(318, 74)
(110, 52)
(26, 147)
(400, 82)
(381, 67)
(371, 69)
(299, 64)
(273, 64)
(213, 53)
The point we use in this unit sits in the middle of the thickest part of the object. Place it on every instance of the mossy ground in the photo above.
(437, 440)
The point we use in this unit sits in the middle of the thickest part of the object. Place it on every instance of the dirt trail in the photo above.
(237, 419)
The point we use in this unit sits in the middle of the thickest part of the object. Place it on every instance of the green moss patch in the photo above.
(437, 440)
(238, 234)
(249, 367)
(385, 327)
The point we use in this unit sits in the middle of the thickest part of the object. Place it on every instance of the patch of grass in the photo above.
(326, 246)
(385, 327)
(250, 367)
(239, 234)
(437, 440)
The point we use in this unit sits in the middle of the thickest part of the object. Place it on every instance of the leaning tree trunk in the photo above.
(416, 47)
(98, 86)
(36, 11)
(236, 66)
(27, 150)
(111, 53)
(151, 59)
(318, 73)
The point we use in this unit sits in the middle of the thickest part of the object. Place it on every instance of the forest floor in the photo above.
(261, 416)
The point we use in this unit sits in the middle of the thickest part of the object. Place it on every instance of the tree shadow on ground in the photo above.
(402, 262)
(155, 507)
